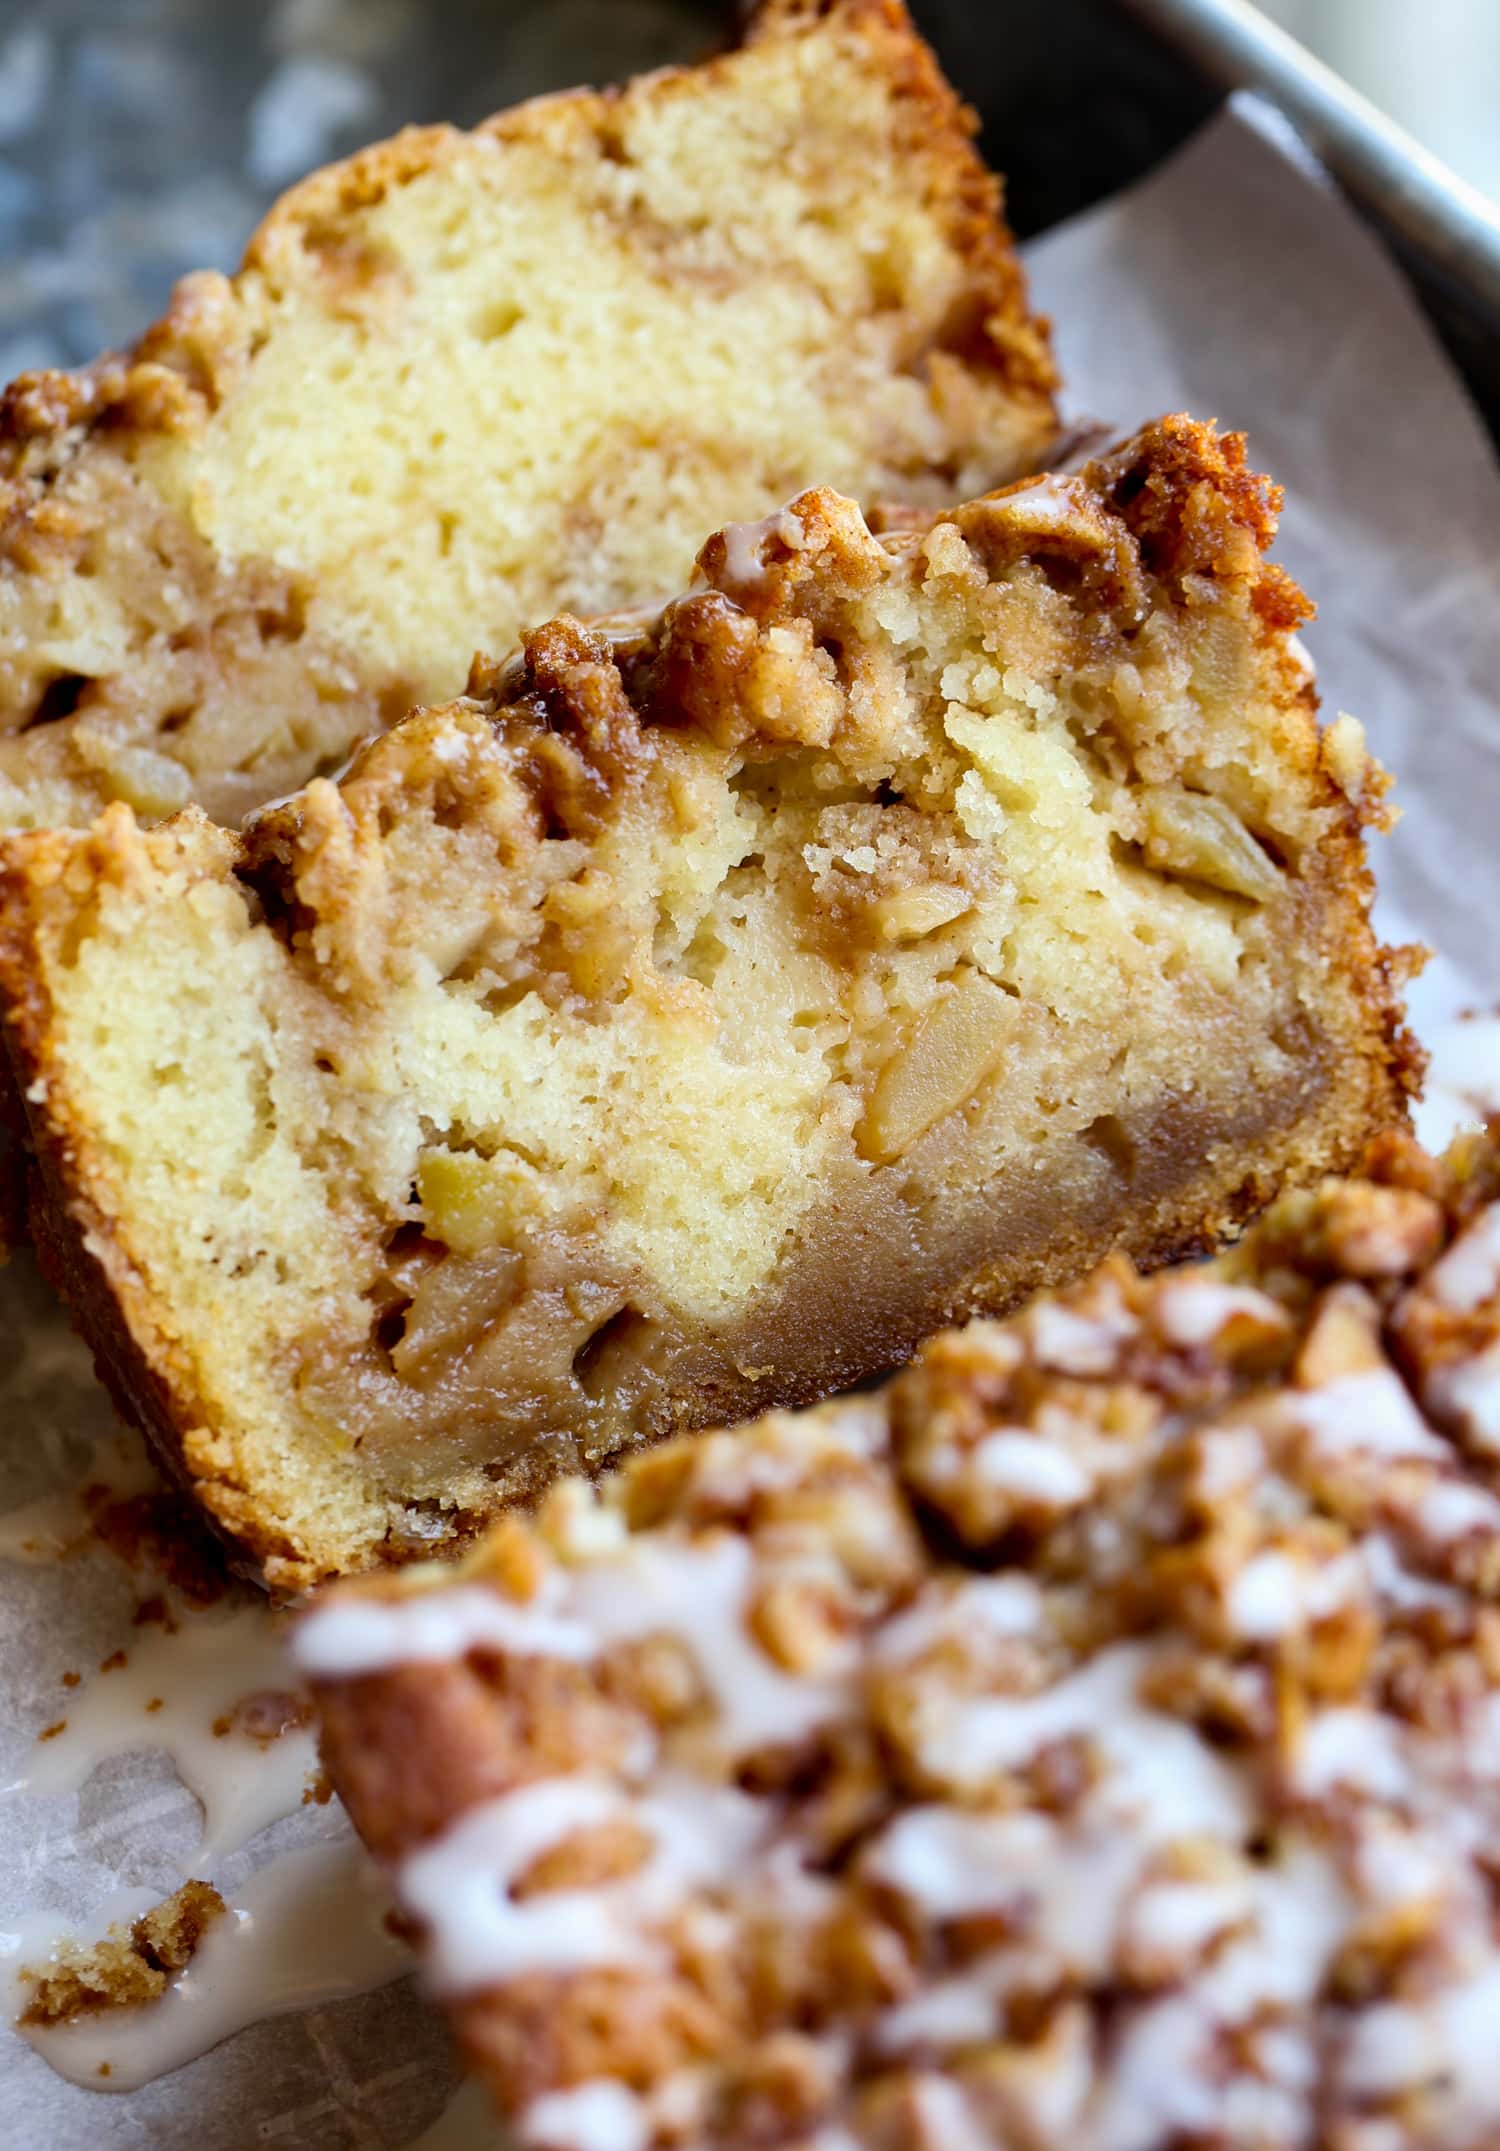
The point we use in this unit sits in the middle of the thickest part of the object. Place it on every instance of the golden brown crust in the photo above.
(1186, 492)
(70, 1215)
(997, 321)
(1136, 1660)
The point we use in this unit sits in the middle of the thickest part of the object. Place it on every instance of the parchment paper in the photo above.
(1234, 284)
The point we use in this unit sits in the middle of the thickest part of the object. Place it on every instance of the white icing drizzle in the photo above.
(461, 1885)
(1452, 1509)
(1470, 1394)
(1351, 1747)
(352, 1636)
(1192, 1310)
(1088, 1902)
(954, 2012)
(744, 548)
(44, 1530)
(197, 1675)
(701, 1594)
(1076, 1343)
(1447, 2046)
(307, 1930)
(698, 1592)
(1153, 1755)
(1076, 1877)
(1398, 1862)
(1091, 1898)
(28, 1939)
(1275, 1592)
(1159, 1783)
(728, 1470)
(1030, 1467)
(1369, 1413)
(1480, 1751)
(1167, 2074)
(1047, 2085)
(1004, 1605)
(950, 1862)
(598, 2116)
(1177, 1920)
(945, 2117)
(1468, 1275)
(1142, 1869)
(1228, 1460)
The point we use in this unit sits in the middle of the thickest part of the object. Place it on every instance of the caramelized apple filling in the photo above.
(955, 1046)
(471, 1356)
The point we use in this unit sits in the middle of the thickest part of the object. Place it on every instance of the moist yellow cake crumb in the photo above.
(707, 1007)
(128, 1966)
(464, 381)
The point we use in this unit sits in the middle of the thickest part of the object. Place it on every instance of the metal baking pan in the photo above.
(1079, 97)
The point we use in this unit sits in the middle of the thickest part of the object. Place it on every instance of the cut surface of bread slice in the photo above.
(1085, 1743)
(466, 381)
(709, 1007)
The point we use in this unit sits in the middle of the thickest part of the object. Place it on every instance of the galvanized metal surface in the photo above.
(143, 138)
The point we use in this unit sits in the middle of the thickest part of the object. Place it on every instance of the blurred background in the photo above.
(139, 138)
(1432, 64)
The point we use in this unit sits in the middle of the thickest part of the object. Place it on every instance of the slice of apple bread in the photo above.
(710, 1005)
(464, 381)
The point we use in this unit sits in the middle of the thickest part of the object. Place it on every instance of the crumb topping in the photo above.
(1091, 1741)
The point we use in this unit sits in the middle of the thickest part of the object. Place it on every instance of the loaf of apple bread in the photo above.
(1091, 1742)
(465, 381)
(709, 1006)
